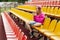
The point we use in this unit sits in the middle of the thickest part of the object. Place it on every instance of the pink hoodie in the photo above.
(39, 18)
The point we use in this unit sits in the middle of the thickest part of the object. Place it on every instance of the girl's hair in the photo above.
(38, 8)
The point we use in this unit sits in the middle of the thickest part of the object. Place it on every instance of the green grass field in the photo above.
(3, 9)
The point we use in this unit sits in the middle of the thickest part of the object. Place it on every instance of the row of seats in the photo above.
(12, 30)
(27, 7)
(47, 10)
(44, 3)
(50, 28)
(22, 15)
(51, 10)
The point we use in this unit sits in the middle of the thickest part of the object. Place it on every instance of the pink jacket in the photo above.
(39, 18)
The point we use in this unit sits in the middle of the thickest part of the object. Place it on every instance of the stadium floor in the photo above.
(2, 32)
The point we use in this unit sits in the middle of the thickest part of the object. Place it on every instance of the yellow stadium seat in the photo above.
(46, 23)
(51, 10)
(58, 13)
(44, 9)
(57, 29)
(55, 10)
(48, 9)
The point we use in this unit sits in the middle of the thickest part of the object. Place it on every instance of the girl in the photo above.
(38, 20)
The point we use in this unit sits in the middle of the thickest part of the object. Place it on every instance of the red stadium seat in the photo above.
(24, 37)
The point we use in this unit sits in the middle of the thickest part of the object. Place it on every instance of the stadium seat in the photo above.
(21, 35)
(55, 10)
(52, 10)
(58, 13)
(44, 9)
(24, 37)
(48, 9)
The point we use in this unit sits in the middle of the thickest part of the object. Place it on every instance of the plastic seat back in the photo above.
(16, 30)
(44, 9)
(24, 37)
(57, 29)
(52, 25)
(48, 9)
(55, 10)
(46, 22)
(58, 13)
(51, 11)
(21, 35)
